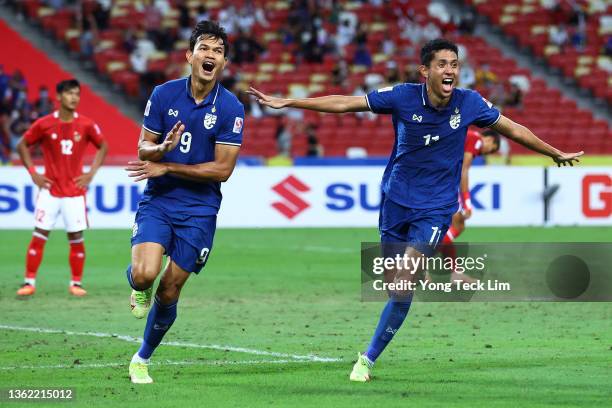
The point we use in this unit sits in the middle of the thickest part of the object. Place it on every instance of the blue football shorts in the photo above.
(187, 240)
(422, 229)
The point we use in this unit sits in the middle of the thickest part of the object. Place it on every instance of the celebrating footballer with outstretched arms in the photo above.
(421, 180)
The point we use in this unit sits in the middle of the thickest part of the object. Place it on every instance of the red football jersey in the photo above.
(63, 146)
(473, 143)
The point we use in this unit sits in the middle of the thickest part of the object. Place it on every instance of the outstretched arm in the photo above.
(330, 104)
(218, 170)
(525, 137)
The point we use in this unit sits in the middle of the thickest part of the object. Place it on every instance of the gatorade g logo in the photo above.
(289, 189)
(597, 195)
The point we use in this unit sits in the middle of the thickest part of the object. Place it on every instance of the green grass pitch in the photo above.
(267, 302)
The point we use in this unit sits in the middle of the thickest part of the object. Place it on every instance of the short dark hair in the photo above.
(429, 50)
(212, 29)
(67, 85)
(496, 138)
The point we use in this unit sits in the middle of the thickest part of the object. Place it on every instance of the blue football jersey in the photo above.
(217, 119)
(424, 168)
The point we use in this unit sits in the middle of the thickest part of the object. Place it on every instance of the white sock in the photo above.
(137, 359)
(30, 281)
(72, 283)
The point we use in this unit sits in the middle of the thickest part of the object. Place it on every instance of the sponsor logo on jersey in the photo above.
(77, 137)
(417, 118)
(147, 108)
(53, 136)
(292, 204)
(238, 125)
(455, 120)
(172, 112)
(134, 229)
(210, 120)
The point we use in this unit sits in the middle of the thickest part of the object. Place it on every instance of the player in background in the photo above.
(63, 136)
(476, 144)
(421, 180)
(188, 145)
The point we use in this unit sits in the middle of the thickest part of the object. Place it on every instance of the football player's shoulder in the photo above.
(229, 98)
(229, 101)
(172, 87)
(85, 120)
(46, 121)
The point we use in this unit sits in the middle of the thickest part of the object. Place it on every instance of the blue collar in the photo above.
(425, 99)
(211, 98)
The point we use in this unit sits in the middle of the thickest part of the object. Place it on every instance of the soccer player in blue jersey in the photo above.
(188, 145)
(421, 180)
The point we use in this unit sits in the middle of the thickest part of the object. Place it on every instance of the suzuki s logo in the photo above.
(173, 113)
(597, 196)
(292, 204)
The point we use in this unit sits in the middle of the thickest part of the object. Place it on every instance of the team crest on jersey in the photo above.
(77, 136)
(210, 120)
(455, 120)
(53, 136)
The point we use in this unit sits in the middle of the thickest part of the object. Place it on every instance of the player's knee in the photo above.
(143, 275)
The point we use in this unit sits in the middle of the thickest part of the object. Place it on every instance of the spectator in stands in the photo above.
(202, 13)
(314, 149)
(340, 73)
(557, 35)
(514, 95)
(346, 31)
(411, 74)
(228, 19)
(485, 77)
(607, 49)
(392, 74)
(44, 103)
(284, 136)
(143, 49)
(362, 56)
(246, 48)
(4, 83)
(467, 75)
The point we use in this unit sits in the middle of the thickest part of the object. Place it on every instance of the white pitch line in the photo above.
(154, 363)
(130, 339)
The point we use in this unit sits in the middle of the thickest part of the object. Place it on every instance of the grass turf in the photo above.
(297, 292)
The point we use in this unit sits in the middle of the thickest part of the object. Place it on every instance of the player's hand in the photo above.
(142, 170)
(84, 179)
(271, 101)
(563, 159)
(41, 181)
(172, 137)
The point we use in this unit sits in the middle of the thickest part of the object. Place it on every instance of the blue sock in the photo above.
(159, 321)
(128, 273)
(391, 320)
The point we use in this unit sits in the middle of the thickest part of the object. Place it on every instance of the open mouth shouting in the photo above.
(208, 67)
(447, 85)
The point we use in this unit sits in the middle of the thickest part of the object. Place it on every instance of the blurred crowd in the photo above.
(17, 113)
(314, 31)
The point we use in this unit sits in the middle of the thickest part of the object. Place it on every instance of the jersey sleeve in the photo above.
(34, 134)
(485, 113)
(383, 100)
(94, 134)
(153, 113)
(232, 127)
